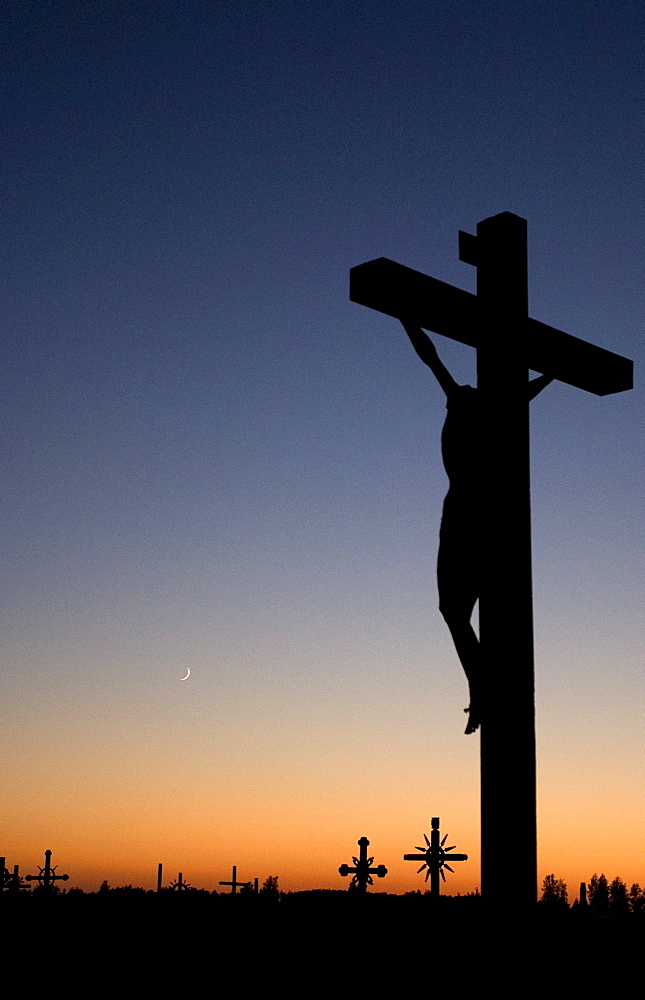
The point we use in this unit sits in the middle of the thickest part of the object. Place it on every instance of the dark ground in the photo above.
(125, 941)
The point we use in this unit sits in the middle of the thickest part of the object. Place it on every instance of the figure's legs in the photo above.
(458, 593)
(457, 616)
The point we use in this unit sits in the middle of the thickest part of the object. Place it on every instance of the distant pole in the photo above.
(159, 876)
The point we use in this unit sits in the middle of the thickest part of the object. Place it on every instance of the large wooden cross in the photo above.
(495, 321)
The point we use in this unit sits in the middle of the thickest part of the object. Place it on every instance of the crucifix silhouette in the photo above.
(362, 871)
(493, 565)
(47, 876)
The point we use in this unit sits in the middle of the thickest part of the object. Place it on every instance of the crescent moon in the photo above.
(187, 675)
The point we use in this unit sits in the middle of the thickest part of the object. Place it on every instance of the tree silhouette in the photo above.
(554, 891)
(599, 894)
(619, 904)
(636, 898)
(270, 888)
(43, 890)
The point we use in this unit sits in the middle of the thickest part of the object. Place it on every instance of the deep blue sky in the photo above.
(213, 458)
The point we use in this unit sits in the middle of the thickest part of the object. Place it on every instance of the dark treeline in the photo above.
(600, 896)
(613, 901)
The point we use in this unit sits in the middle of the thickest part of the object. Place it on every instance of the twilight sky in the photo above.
(214, 460)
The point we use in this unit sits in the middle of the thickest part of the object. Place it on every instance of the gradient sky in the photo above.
(214, 460)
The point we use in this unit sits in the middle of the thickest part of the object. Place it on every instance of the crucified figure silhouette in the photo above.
(459, 559)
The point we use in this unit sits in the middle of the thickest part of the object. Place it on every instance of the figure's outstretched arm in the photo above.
(538, 384)
(428, 354)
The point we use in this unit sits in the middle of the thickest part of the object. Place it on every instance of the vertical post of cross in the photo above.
(508, 762)
(435, 847)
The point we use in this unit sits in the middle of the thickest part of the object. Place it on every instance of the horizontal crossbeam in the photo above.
(380, 870)
(400, 291)
(45, 876)
(444, 857)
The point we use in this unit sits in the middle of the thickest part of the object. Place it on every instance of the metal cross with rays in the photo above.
(435, 857)
(16, 881)
(47, 876)
(180, 885)
(11, 882)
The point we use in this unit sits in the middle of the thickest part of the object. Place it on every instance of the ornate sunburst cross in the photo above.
(435, 857)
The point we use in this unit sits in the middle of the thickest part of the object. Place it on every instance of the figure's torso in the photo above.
(461, 439)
